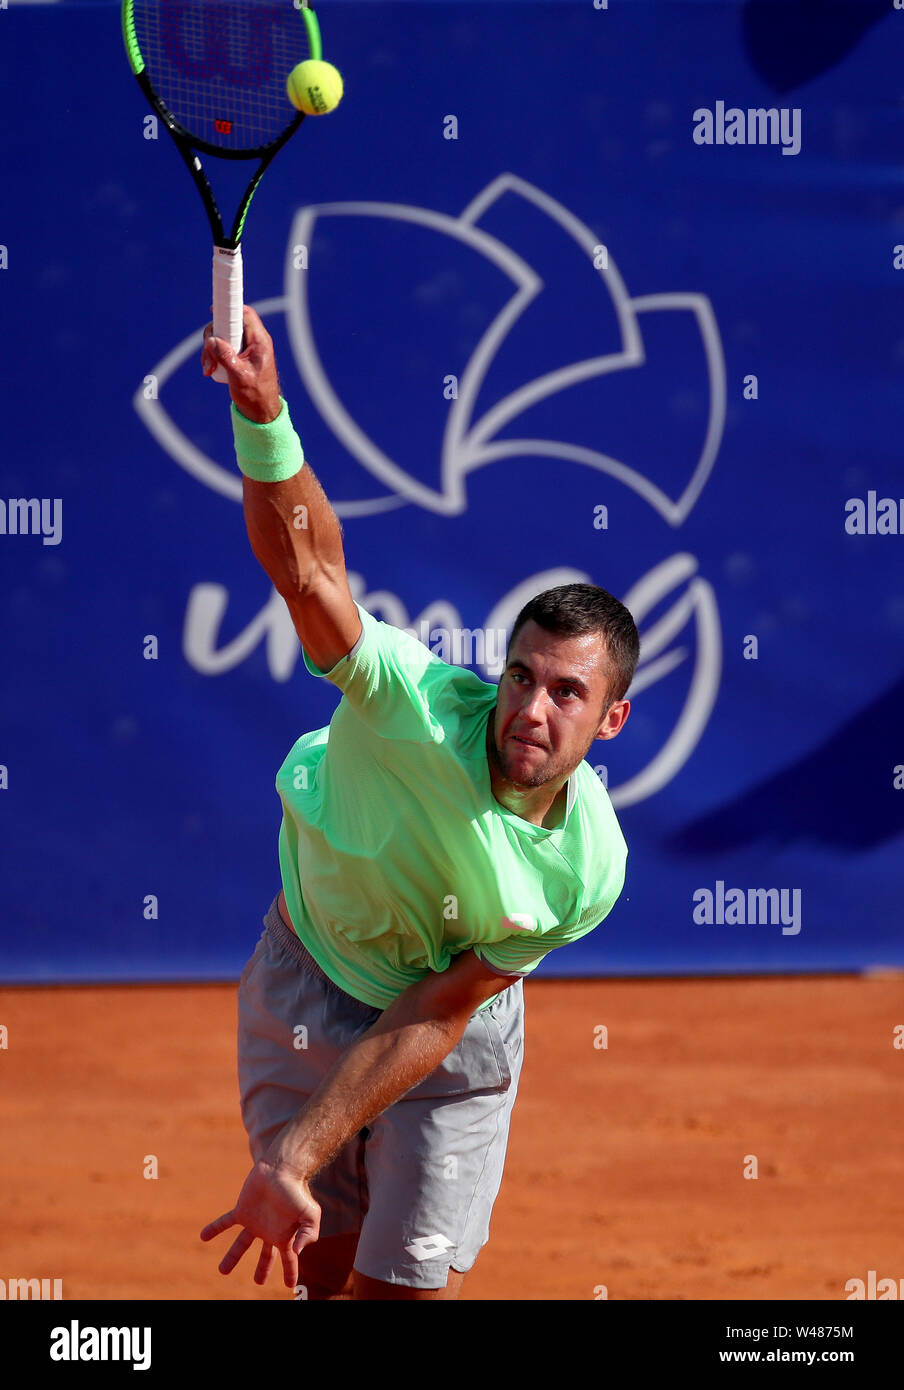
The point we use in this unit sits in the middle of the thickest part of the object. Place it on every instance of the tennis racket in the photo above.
(215, 73)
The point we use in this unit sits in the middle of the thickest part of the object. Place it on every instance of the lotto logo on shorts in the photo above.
(426, 1247)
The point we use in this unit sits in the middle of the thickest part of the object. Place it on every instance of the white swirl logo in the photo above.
(472, 441)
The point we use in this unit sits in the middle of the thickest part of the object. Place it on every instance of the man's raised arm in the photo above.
(294, 532)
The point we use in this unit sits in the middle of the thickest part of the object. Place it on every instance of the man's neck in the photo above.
(555, 816)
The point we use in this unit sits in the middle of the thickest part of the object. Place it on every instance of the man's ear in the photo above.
(614, 719)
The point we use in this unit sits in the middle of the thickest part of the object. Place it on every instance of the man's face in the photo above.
(550, 706)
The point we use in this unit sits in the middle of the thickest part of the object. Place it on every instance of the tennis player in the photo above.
(439, 838)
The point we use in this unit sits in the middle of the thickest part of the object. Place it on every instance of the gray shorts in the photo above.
(418, 1184)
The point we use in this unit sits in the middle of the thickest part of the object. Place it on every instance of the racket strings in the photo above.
(220, 66)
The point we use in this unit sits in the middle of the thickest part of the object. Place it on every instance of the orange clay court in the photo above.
(625, 1166)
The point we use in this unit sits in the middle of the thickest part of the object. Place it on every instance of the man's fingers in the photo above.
(222, 1223)
(305, 1236)
(217, 352)
(290, 1268)
(209, 355)
(257, 343)
(264, 1264)
(218, 349)
(235, 1252)
(253, 324)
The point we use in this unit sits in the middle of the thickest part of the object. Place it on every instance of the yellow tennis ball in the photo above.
(315, 87)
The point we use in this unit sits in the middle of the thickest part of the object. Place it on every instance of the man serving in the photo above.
(439, 838)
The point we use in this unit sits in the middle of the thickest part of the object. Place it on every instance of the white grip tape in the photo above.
(228, 294)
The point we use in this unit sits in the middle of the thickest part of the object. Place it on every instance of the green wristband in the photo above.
(268, 453)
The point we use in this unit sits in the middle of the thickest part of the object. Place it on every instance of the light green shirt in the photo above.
(395, 856)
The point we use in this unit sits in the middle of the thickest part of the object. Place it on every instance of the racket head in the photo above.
(216, 70)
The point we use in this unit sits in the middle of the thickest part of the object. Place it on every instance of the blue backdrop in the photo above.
(532, 328)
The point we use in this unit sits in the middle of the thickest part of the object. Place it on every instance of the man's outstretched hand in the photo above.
(253, 382)
(275, 1206)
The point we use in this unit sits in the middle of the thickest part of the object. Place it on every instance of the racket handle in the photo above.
(228, 295)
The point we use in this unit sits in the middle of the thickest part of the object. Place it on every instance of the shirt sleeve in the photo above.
(522, 952)
(496, 970)
(390, 679)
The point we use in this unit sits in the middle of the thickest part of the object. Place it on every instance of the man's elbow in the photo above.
(450, 997)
